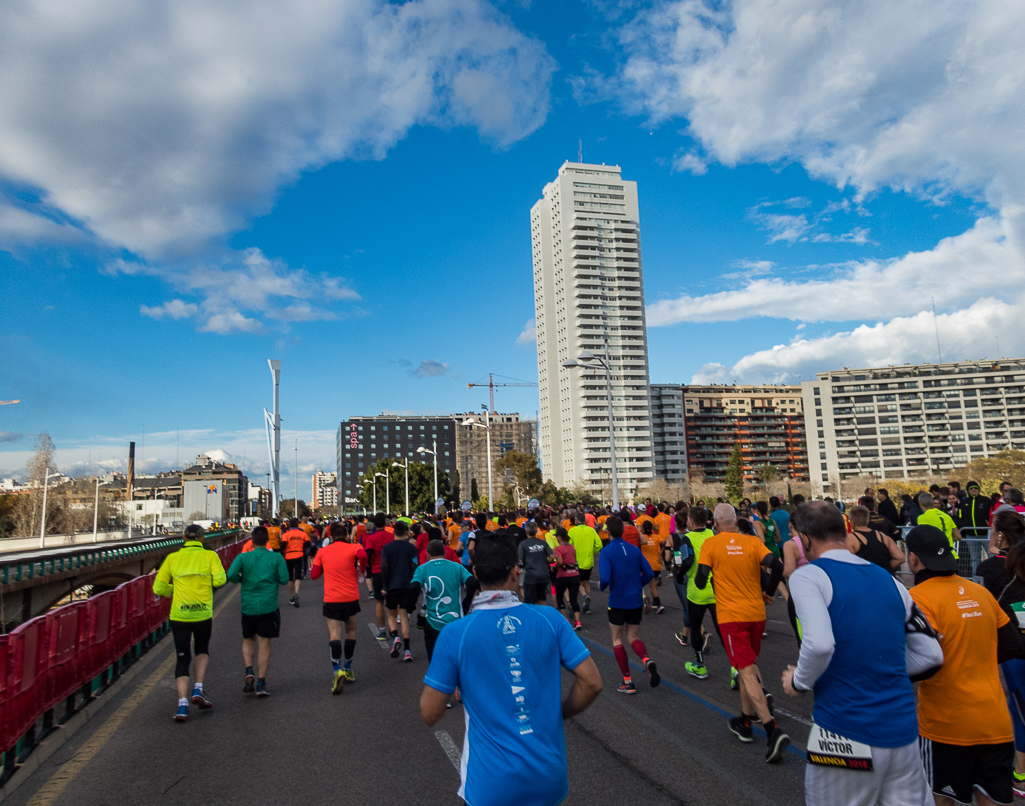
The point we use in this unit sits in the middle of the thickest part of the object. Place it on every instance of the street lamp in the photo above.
(387, 492)
(588, 360)
(404, 463)
(433, 453)
(469, 422)
(42, 521)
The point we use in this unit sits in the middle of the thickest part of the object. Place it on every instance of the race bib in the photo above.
(833, 750)
(1018, 608)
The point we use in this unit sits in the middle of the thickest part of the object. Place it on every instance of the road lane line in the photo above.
(373, 631)
(450, 749)
(59, 781)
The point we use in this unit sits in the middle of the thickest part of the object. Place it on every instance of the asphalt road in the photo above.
(668, 745)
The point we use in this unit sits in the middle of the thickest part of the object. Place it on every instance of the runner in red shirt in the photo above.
(293, 543)
(374, 545)
(340, 563)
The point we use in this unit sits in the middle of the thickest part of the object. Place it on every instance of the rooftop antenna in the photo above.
(936, 324)
(580, 150)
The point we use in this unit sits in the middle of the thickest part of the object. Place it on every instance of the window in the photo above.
(446, 452)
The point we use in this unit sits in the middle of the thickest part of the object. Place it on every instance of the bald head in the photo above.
(725, 517)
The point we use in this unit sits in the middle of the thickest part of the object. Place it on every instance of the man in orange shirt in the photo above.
(274, 536)
(455, 530)
(294, 544)
(736, 561)
(340, 563)
(967, 740)
(664, 524)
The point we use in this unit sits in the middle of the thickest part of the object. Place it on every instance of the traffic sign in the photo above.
(467, 506)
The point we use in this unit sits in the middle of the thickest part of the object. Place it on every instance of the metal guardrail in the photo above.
(970, 551)
(16, 570)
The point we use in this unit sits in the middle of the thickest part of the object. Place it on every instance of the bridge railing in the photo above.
(55, 664)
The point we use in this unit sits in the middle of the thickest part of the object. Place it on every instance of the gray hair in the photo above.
(925, 500)
(530, 528)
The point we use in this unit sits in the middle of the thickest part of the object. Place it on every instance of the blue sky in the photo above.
(350, 193)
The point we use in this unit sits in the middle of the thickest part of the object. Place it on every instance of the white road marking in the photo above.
(373, 632)
(450, 748)
(792, 715)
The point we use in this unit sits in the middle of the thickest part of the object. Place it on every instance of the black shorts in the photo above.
(265, 625)
(955, 771)
(375, 581)
(585, 574)
(295, 568)
(401, 599)
(619, 616)
(341, 611)
(534, 592)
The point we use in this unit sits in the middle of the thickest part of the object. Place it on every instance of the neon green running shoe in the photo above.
(696, 670)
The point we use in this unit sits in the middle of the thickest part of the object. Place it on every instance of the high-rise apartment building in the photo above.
(325, 490)
(589, 297)
(898, 422)
(767, 421)
(668, 437)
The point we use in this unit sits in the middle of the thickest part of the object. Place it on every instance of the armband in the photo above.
(918, 623)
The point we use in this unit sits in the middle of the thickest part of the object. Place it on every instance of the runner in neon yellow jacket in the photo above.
(189, 576)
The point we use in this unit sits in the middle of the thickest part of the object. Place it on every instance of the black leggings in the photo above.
(430, 638)
(184, 632)
(571, 584)
(697, 615)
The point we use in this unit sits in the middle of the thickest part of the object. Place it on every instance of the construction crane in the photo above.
(491, 388)
(8, 402)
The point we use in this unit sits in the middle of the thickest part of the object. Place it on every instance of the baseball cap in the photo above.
(932, 548)
(194, 532)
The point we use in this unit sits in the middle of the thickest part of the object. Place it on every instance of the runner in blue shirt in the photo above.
(506, 658)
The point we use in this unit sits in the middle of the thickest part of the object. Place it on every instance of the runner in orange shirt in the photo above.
(294, 544)
(651, 548)
(736, 562)
(274, 536)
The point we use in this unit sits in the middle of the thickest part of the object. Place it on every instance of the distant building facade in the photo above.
(508, 433)
(767, 421)
(668, 434)
(229, 480)
(898, 422)
(325, 490)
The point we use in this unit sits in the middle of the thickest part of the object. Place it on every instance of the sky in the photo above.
(188, 189)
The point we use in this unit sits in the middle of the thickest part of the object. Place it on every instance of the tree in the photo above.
(474, 493)
(766, 474)
(989, 472)
(29, 506)
(735, 476)
(456, 491)
(421, 486)
(287, 508)
(525, 472)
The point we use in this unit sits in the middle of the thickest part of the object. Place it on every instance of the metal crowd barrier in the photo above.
(55, 664)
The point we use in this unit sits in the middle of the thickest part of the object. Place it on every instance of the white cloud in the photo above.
(923, 96)
(429, 369)
(164, 125)
(529, 334)
(964, 335)
(986, 261)
(174, 309)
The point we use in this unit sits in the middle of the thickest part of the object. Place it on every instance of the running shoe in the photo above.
(696, 670)
(627, 688)
(396, 647)
(734, 680)
(683, 639)
(448, 704)
(182, 713)
(382, 635)
(587, 605)
(653, 676)
(407, 657)
(578, 626)
(247, 687)
(742, 731)
(338, 683)
(778, 742)
(1018, 786)
(660, 609)
(349, 676)
(421, 621)
(261, 689)
(295, 600)
(291, 599)
(199, 698)
(647, 606)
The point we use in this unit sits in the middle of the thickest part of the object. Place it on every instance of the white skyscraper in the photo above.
(588, 292)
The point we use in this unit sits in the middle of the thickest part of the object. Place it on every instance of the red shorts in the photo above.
(742, 641)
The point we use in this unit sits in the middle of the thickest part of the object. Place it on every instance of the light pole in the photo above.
(433, 453)
(589, 360)
(295, 501)
(405, 464)
(472, 423)
(96, 509)
(387, 492)
(42, 522)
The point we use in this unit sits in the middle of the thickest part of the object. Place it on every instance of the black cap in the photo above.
(194, 532)
(932, 548)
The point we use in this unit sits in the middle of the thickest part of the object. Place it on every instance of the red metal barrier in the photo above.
(7, 737)
(26, 684)
(120, 637)
(141, 591)
(99, 649)
(68, 635)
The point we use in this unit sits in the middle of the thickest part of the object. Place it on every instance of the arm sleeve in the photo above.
(317, 568)
(217, 575)
(162, 585)
(812, 592)
(235, 572)
(597, 542)
(923, 655)
(443, 674)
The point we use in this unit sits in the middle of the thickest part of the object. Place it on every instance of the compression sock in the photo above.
(769, 727)
(350, 650)
(405, 644)
(746, 719)
(394, 633)
(624, 664)
(640, 649)
(699, 657)
(658, 601)
(336, 654)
